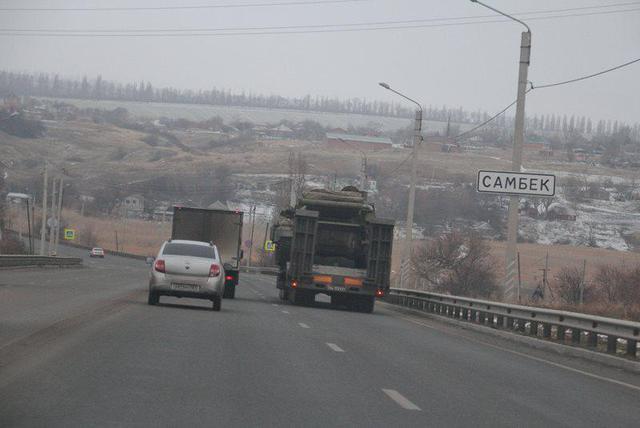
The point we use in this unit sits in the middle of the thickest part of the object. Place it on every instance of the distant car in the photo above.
(187, 269)
(96, 252)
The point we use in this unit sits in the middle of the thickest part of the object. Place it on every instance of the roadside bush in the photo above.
(19, 126)
(567, 285)
(87, 236)
(618, 284)
(457, 263)
(11, 245)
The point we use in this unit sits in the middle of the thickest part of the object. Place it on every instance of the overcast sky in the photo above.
(474, 66)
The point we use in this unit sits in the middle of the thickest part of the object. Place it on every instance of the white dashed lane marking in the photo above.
(335, 347)
(285, 312)
(400, 399)
(303, 325)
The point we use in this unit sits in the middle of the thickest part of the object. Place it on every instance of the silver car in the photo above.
(187, 269)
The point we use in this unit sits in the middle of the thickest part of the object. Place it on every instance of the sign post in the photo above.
(69, 234)
(515, 184)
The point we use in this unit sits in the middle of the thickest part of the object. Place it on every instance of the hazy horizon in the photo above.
(471, 65)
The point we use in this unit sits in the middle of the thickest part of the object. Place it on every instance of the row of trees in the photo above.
(46, 85)
(578, 124)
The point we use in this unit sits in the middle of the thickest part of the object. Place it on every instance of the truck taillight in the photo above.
(294, 284)
(379, 293)
(159, 266)
(214, 270)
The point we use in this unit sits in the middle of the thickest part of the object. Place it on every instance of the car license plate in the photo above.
(336, 288)
(182, 286)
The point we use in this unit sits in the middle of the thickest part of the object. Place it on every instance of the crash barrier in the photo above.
(106, 251)
(266, 270)
(24, 261)
(610, 335)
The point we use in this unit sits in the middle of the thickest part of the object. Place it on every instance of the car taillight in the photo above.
(228, 277)
(159, 266)
(214, 270)
(379, 293)
(294, 284)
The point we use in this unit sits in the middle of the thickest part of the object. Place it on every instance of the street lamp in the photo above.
(516, 160)
(417, 138)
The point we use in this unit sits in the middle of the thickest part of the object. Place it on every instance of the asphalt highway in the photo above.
(80, 347)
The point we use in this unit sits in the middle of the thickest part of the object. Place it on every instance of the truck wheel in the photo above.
(229, 292)
(153, 298)
(217, 303)
(298, 297)
(367, 303)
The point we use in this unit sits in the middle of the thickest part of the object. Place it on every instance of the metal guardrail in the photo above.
(590, 331)
(24, 261)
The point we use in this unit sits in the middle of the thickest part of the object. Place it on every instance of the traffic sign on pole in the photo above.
(69, 234)
(269, 246)
(516, 183)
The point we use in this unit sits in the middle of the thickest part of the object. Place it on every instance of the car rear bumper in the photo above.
(166, 286)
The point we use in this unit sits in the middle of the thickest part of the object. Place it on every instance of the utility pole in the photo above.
(584, 274)
(44, 212)
(53, 216)
(516, 160)
(29, 227)
(417, 138)
(253, 223)
(56, 237)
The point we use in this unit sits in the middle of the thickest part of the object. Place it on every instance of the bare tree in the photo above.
(298, 167)
(457, 263)
(568, 283)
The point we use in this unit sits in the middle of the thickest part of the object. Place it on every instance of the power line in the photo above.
(373, 23)
(277, 30)
(549, 85)
(565, 82)
(142, 8)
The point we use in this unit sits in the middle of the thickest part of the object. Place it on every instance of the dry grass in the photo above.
(532, 259)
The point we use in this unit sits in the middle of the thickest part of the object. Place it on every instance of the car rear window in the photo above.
(189, 250)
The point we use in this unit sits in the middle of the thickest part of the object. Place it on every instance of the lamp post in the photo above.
(417, 138)
(511, 271)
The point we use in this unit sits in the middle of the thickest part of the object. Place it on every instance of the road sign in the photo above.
(516, 183)
(52, 222)
(270, 246)
(69, 234)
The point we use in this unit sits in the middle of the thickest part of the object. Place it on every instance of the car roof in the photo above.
(185, 241)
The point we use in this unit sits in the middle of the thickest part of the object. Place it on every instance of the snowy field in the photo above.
(198, 112)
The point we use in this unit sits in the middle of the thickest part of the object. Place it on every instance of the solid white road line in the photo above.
(303, 325)
(335, 347)
(531, 357)
(400, 399)
(285, 312)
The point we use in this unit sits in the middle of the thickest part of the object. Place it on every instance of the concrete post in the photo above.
(53, 216)
(516, 164)
(406, 253)
(43, 228)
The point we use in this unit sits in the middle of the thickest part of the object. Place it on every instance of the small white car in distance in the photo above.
(96, 252)
(187, 269)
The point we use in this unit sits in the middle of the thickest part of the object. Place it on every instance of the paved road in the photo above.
(92, 353)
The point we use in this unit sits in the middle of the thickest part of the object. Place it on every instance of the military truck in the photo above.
(223, 228)
(332, 243)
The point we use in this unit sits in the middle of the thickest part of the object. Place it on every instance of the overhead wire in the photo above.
(372, 23)
(187, 7)
(531, 88)
(279, 30)
(549, 85)
(589, 76)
